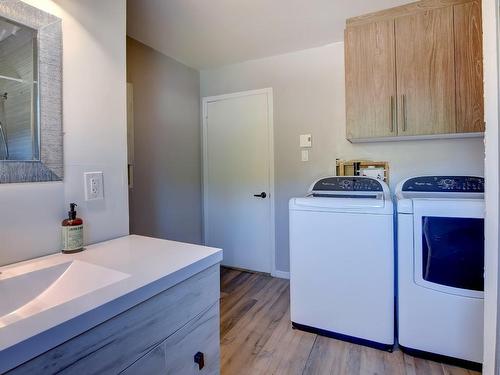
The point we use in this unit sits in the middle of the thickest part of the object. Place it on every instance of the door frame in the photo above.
(491, 63)
(270, 153)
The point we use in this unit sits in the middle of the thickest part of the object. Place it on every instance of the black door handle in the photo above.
(261, 195)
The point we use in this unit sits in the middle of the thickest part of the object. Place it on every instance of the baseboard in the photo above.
(275, 273)
(280, 274)
(245, 270)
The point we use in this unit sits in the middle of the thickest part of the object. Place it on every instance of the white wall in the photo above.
(309, 97)
(490, 47)
(95, 136)
(166, 199)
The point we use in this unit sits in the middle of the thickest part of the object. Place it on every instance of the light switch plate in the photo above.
(305, 155)
(305, 140)
(94, 186)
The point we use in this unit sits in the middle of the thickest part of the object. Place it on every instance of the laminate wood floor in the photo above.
(257, 338)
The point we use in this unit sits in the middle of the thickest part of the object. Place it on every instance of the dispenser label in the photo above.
(72, 238)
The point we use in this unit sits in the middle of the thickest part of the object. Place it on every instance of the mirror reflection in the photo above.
(19, 133)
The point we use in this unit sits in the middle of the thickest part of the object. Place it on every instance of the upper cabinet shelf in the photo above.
(415, 71)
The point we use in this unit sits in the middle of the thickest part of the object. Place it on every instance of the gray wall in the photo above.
(166, 199)
(94, 97)
(309, 97)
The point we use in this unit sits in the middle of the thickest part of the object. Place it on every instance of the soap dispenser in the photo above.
(72, 232)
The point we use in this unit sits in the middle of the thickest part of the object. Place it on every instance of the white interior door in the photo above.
(237, 170)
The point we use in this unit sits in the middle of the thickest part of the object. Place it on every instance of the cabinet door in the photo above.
(469, 67)
(370, 80)
(426, 72)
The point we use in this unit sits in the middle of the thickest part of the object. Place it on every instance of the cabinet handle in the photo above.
(391, 127)
(199, 359)
(403, 97)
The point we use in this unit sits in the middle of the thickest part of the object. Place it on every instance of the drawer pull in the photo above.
(392, 115)
(404, 112)
(199, 358)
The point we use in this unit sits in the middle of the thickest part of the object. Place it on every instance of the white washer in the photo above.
(342, 261)
(441, 267)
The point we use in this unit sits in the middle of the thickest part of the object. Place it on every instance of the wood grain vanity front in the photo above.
(175, 355)
(425, 59)
(160, 335)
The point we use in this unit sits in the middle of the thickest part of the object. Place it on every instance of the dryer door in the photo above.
(449, 245)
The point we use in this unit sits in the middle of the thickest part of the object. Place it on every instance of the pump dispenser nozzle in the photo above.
(72, 212)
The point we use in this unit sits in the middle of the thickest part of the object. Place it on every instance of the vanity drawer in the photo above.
(153, 363)
(201, 336)
(176, 355)
(114, 345)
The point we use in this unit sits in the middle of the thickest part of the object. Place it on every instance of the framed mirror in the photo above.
(31, 144)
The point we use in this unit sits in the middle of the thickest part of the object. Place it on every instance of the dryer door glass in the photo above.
(453, 252)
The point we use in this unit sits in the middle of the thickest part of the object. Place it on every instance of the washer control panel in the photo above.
(347, 184)
(451, 184)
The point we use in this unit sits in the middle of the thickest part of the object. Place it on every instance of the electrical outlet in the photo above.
(94, 186)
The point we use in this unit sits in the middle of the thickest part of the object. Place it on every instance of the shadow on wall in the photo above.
(165, 201)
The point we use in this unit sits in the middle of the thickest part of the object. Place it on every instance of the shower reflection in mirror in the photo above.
(19, 130)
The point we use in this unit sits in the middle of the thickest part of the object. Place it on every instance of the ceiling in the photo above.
(210, 33)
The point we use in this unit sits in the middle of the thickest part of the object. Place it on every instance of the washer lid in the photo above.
(341, 202)
(355, 204)
(346, 194)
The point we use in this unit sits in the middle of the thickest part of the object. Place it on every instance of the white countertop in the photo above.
(154, 265)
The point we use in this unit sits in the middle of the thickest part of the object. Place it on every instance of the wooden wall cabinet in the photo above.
(415, 71)
(370, 66)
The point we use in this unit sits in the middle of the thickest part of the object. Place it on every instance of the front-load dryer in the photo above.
(342, 261)
(441, 267)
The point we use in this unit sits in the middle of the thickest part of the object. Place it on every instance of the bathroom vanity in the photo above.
(134, 305)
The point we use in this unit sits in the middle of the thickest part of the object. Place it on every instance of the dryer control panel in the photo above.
(347, 184)
(451, 184)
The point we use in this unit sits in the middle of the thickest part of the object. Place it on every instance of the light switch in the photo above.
(305, 140)
(305, 155)
(94, 186)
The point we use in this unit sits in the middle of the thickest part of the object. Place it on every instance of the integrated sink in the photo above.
(28, 290)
